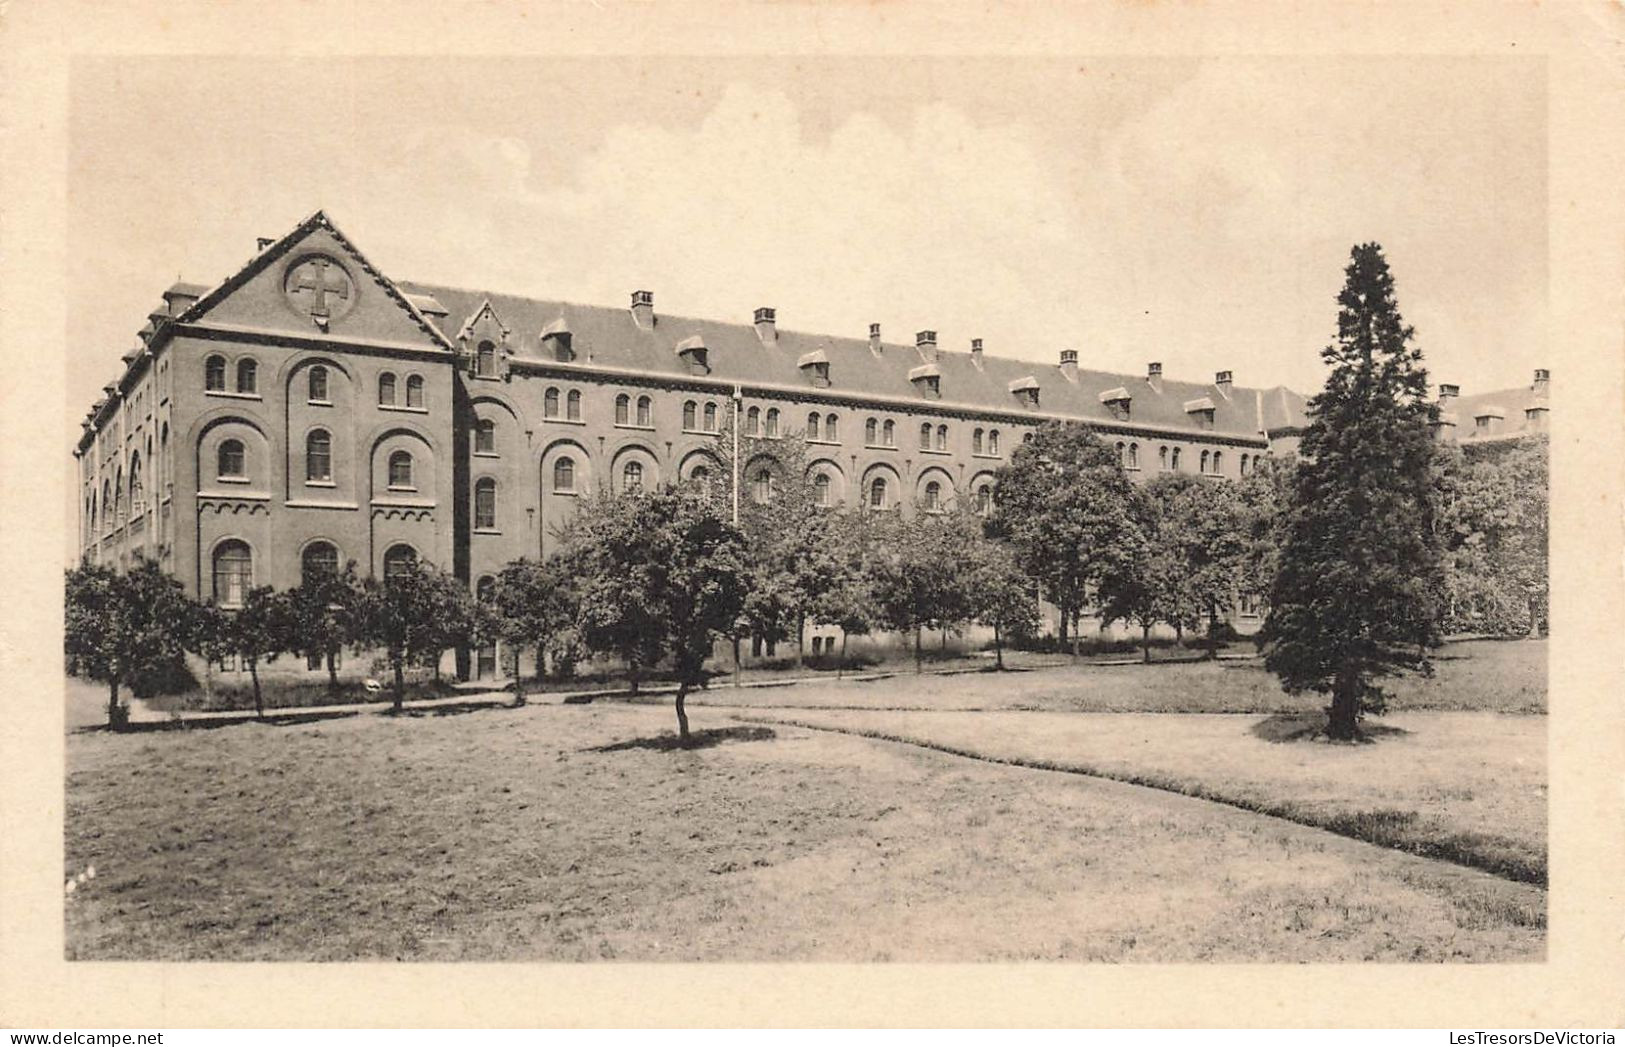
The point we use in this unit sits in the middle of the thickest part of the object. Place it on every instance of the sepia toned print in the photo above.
(1121, 626)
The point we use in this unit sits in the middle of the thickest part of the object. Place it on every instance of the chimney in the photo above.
(1153, 375)
(262, 242)
(874, 339)
(1222, 380)
(1543, 378)
(976, 352)
(926, 343)
(1448, 392)
(643, 309)
(1069, 364)
(767, 328)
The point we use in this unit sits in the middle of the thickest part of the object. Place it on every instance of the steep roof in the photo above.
(610, 337)
(1510, 405)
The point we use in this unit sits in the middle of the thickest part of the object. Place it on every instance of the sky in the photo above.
(1197, 212)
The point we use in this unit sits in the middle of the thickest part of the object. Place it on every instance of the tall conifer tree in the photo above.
(1355, 597)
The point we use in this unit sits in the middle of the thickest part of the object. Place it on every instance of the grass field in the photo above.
(1463, 786)
(1485, 675)
(578, 834)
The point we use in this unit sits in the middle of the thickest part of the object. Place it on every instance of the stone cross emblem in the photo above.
(320, 287)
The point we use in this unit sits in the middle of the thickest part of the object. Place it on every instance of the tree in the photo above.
(615, 615)
(260, 630)
(847, 601)
(1064, 504)
(400, 615)
(917, 575)
(207, 634)
(1493, 527)
(1355, 598)
(1002, 597)
(672, 558)
(1265, 494)
(1203, 527)
(529, 606)
(117, 626)
(1144, 585)
(323, 611)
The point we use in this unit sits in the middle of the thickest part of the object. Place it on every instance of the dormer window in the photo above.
(1200, 411)
(1117, 401)
(693, 352)
(1026, 390)
(557, 341)
(485, 360)
(927, 381)
(815, 367)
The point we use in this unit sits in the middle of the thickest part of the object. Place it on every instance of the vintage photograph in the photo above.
(1086, 510)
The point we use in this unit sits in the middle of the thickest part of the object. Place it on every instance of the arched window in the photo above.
(1026, 438)
(1218, 462)
(993, 441)
(1204, 462)
(984, 499)
(572, 405)
(645, 411)
(772, 427)
(386, 390)
(319, 559)
(700, 476)
(976, 441)
(414, 390)
(118, 494)
(888, 433)
(318, 456)
(1173, 461)
(1243, 465)
(214, 374)
(137, 499)
(485, 436)
(230, 461)
(233, 572)
(925, 436)
(485, 504)
(248, 373)
(753, 421)
(1122, 453)
(108, 517)
(550, 403)
(398, 560)
(564, 474)
(400, 469)
(877, 493)
(691, 414)
(933, 497)
(761, 485)
(812, 425)
(318, 385)
(485, 588)
(632, 476)
(1162, 458)
(710, 417)
(871, 431)
(1133, 456)
(485, 360)
(821, 485)
(623, 410)
(832, 427)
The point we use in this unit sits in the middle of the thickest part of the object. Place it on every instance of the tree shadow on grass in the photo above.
(452, 709)
(271, 719)
(667, 742)
(1311, 727)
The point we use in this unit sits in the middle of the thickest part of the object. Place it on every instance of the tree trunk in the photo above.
(114, 721)
(400, 681)
(208, 679)
(518, 679)
(1062, 615)
(998, 648)
(1145, 643)
(541, 660)
(254, 674)
(1212, 634)
(736, 659)
(919, 663)
(1534, 619)
(332, 675)
(1076, 630)
(1342, 723)
(840, 666)
(1179, 634)
(633, 671)
(682, 715)
(943, 646)
(801, 643)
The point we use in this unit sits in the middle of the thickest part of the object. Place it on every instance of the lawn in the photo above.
(1484, 675)
(561, 832)
(1468, 787)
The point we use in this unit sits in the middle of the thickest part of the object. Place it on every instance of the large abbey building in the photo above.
(311, 410)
